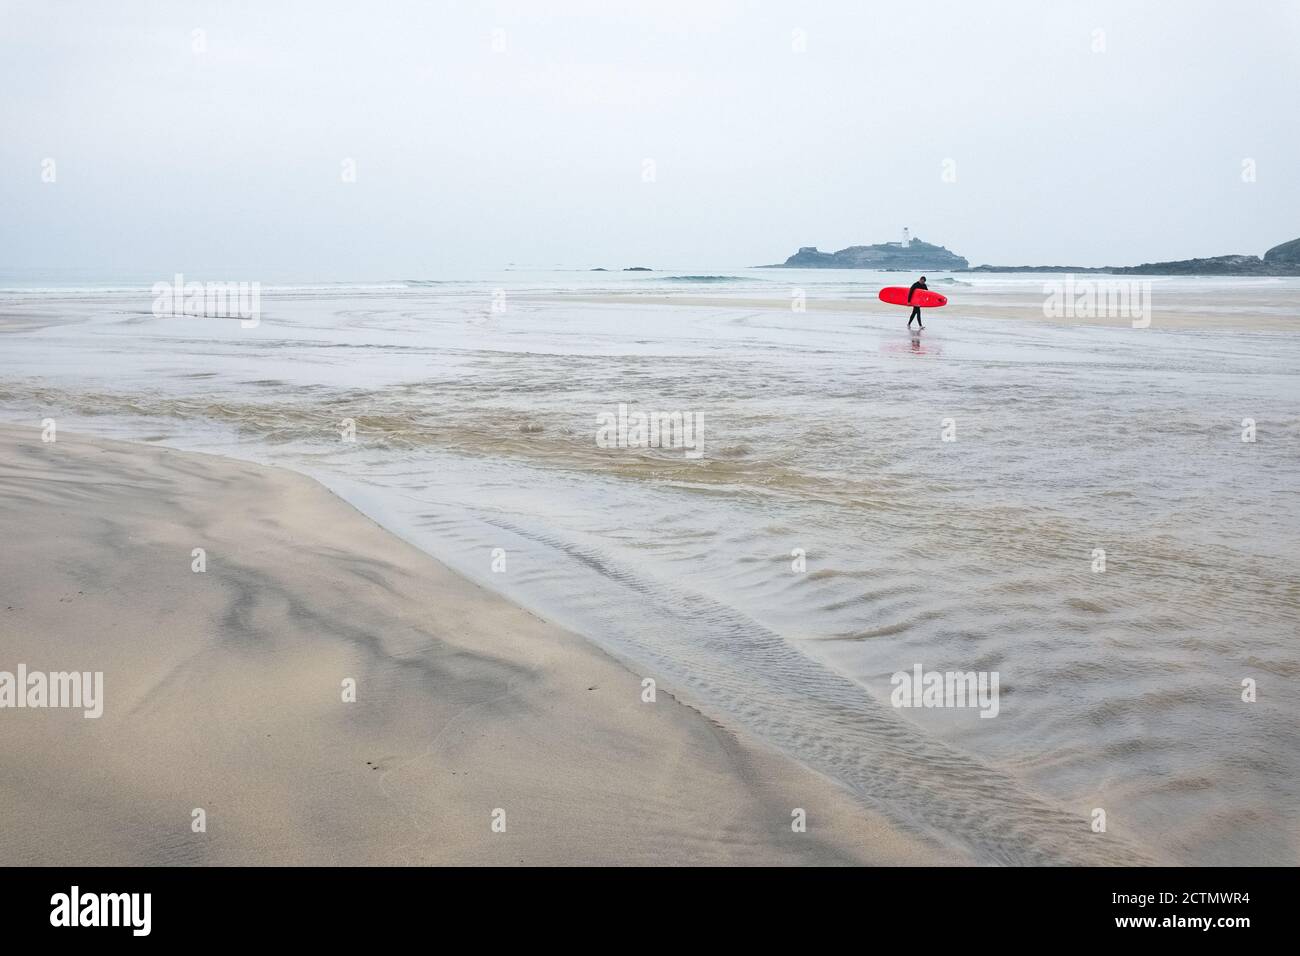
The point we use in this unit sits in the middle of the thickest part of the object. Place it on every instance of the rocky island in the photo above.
(906, 256)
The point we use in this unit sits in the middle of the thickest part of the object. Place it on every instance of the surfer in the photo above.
(916, 309)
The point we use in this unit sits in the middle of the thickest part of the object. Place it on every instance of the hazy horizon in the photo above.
(506, 134)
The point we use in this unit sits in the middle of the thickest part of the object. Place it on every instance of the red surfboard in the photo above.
(897, 295)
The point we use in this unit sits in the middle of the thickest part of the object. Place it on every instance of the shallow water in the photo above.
(822, 433)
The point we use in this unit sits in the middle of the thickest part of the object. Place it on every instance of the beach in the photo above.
(1101, 516)
(223, 692)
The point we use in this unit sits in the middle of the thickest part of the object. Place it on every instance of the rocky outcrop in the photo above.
(884, 256)
(1283, 260)
(1288, 253)
(1213, 266)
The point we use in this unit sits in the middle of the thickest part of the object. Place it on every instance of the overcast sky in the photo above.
(224, 150)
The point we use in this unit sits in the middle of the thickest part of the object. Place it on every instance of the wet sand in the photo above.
(1251, 310)
(224, 692)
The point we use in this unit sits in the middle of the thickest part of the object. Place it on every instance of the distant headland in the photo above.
(913, 255)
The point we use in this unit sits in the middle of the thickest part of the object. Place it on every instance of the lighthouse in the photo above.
(907, 238)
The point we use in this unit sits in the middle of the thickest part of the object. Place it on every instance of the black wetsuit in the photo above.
(916, 309)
